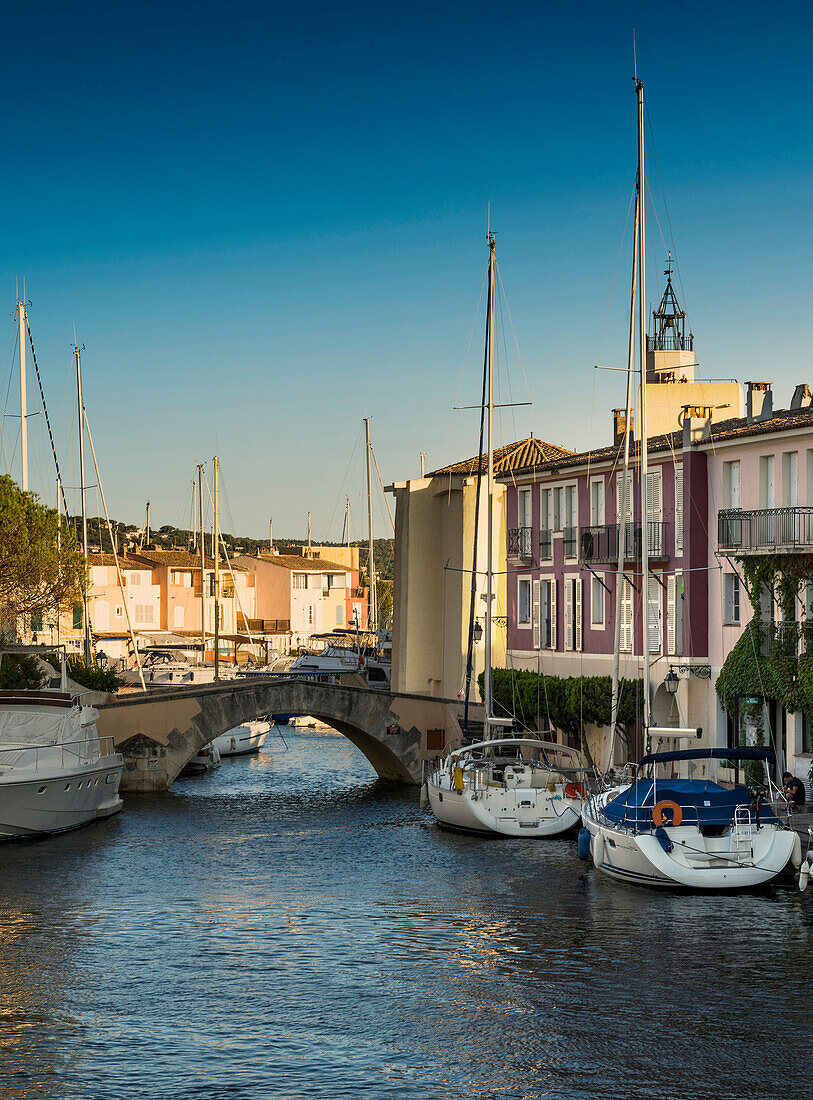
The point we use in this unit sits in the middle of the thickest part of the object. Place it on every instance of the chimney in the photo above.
(696, 421)
(801, 397)
(759, 402)
(619, 425)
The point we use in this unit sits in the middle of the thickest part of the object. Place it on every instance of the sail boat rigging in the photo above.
(504, 785)
(667, 828)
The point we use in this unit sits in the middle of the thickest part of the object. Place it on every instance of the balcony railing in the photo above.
(545, 544)
(600, 543)
(786, 639)
(765, 530)
(520, 544)
(570, 538)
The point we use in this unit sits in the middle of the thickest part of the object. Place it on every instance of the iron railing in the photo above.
(570, 538)
(520, 543)
(766, 529)
(785, 639)
(600, 543)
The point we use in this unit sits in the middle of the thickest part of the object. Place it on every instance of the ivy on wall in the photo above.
(567, 701)
(766, 661)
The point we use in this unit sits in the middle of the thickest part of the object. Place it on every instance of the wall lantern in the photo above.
(478, 631)
(671, 682)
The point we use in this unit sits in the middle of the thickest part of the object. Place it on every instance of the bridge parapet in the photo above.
(159, 732)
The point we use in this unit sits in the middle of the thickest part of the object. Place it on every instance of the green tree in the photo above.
(38, 570)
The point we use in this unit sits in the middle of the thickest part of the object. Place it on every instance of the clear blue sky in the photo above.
(268, 221)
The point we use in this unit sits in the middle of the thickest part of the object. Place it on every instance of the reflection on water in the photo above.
(290, 927)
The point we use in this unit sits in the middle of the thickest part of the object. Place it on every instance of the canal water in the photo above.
(290, 927)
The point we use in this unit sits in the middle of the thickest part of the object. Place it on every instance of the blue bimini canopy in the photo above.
(708, 754)
(702, 802)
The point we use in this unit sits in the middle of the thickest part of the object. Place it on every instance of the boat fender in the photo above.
(233, 744)
(457, 779)
(574, 790)
(584, 843)
(662, 838)
(598, 849)
(424, 796)
(665, 805)
(796, 853)
(804, 876)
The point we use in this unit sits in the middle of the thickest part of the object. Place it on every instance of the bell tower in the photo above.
(669, 351)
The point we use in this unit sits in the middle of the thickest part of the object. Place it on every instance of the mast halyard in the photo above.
(373, 611)
(81, 404)
(216, 549)
(23, 401)
(639, 88)
(624, 505)
(490, 481)
(202, 567)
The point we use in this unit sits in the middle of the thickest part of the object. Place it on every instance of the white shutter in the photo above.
(535, 613)
(670, 615)
(679, 508)
(654, 613)
(626, 613)
(577, 613)
(735, 484)
(568, 613)
(553, 585)
(654, 509)
(679, 595)
(618, 486)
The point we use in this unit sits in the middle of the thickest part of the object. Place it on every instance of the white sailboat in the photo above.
(681, 822)
(505, 785)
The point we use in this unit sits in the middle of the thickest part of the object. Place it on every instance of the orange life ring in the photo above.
(667, 804)
(575, 790)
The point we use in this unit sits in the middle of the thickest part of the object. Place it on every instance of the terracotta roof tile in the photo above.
(304, 565)
(110, 559)
(513, 456)
(179, 559)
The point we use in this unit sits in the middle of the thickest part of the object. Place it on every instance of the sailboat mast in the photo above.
(624, 505)
(23, 402)
(373, 613)
(202, 567)
(216, 542)
(639, 87)
(489, 480)
(81, 404)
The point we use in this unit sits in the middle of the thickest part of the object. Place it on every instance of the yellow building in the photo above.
(434, 546)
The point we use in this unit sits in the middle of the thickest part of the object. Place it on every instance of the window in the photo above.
(679, 508)
(627, 625)
(300, 580)
(807, 742)
(731, 485)
(597, 502)
(573, 613)
(339, 615)
(675, 592)
(524, 513)
(144, 613)
(77, 616)
(545, 521)
(790, 479)
(134, 578)
(619, 488)
(547, 613)
(524, 602)
(596, 601)
(731, 599)
(119, 611)
(654, 613)
(310, 614)
(766, 482)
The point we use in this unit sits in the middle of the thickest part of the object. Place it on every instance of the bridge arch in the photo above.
(159, 732)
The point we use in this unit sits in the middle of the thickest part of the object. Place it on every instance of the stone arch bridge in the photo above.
(159, 732)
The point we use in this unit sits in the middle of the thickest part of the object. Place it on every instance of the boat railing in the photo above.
(70, 753)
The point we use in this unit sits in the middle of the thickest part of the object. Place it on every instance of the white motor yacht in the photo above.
(203, 762)
(243, 739)
(56, 772)
(511, 786)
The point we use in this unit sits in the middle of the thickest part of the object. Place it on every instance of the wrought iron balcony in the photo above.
(766, 530)
(520, 544)
(600, 544)
(784, 639)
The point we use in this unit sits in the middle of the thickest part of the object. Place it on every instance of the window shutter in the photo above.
(568, 613)
(553, 585)
(679, 508)
(626, 613)
(670, 615)
(654, 613)
(618, 486)
(536, 618)
(577, 613)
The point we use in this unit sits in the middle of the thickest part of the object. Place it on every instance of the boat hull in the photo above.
(43, 805)
(463, 811)
(243, 740)
(696, 862)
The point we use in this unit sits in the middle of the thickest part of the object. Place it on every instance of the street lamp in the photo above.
(671, 682)
(478, 631)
